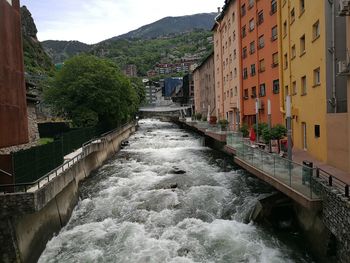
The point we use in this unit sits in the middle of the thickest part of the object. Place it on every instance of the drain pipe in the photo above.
(334, 75)
(221, 58)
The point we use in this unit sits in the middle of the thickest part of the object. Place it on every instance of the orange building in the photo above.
(227, 63)
(13, 109)
(259, 52)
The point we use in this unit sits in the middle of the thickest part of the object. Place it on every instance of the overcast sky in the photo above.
(92, 21)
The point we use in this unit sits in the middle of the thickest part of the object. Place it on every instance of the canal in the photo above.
(167, 198)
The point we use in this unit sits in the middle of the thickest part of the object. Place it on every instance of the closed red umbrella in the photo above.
(252, 135)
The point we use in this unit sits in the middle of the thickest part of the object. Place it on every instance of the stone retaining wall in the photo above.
(336, 216)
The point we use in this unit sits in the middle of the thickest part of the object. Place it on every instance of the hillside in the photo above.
(146, 53)
(36, 61)
(60, 51)
(166, 41)
(170, 26)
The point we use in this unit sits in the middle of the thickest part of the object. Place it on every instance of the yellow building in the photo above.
(307, 70)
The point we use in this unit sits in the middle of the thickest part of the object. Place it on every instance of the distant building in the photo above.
(130, 70)
(151, 91)
(184, 94)
(204, 87)
(13, 108)
(172, 85)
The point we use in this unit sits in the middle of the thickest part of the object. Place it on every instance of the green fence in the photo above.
(29, 165)
(74, 139)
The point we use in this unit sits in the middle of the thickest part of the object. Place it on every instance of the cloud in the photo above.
(92, 21)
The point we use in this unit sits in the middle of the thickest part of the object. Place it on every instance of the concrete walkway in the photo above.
(300, 155)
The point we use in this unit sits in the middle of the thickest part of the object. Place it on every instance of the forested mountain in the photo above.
(170, 26)
(61, 50)
(146, 53)
(165, 41)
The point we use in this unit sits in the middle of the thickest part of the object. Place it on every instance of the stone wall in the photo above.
(336, 216)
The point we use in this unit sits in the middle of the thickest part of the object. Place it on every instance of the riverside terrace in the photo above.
(320, 194)
(296, 180)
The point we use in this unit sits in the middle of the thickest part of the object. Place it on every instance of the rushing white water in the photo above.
(166, 198)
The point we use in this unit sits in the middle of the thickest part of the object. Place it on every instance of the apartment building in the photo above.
(259, 52)
(13, 109)
(227, 63)
(204, 87)
(311, 39)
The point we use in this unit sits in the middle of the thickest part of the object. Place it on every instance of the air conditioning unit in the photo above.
(344, 7)
(343, 67)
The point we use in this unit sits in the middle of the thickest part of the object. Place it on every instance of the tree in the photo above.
(92, 91)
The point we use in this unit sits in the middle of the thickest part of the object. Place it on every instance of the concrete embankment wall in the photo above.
(29, 220)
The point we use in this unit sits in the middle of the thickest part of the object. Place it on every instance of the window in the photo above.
(252, 70)
(303, 86)
(260, 17)
(244, 52)
(234, 54)
(231, 75)
(252, 47)
(274, 33)
(229, 41)
(230, 58)
(317, 77)
(233, 17)
(293, 52)
(262, 65)
(253, 92)
(245, 73)
(236, 91)
(285, 61)
(292, 16)
(317, 131)
(301, 6)
(294, 87)
(261, 43)
(302, 45)
(284, 28)
(243, 10)
(273, 7)
(234, 35)
(316, 30)
(275, 59)
(231, 93)
(251, 25)
(244, 32)
(276, 86)
(250, 4)
(262, 90)
(246, 94)
(235, 72)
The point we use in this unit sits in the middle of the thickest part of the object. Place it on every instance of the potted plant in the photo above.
(244, 130)
(212, 120)
(198, 116)
(223, 124)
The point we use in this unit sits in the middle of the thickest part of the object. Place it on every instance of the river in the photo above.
(167, 198)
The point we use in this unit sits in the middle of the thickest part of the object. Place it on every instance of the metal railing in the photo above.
(296, 176)
(5, 173)
(37, 184)
(332, 181)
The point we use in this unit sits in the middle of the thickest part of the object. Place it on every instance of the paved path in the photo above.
(300, 155)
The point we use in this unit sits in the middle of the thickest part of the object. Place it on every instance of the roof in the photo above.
(204, 61)
(222, 14)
